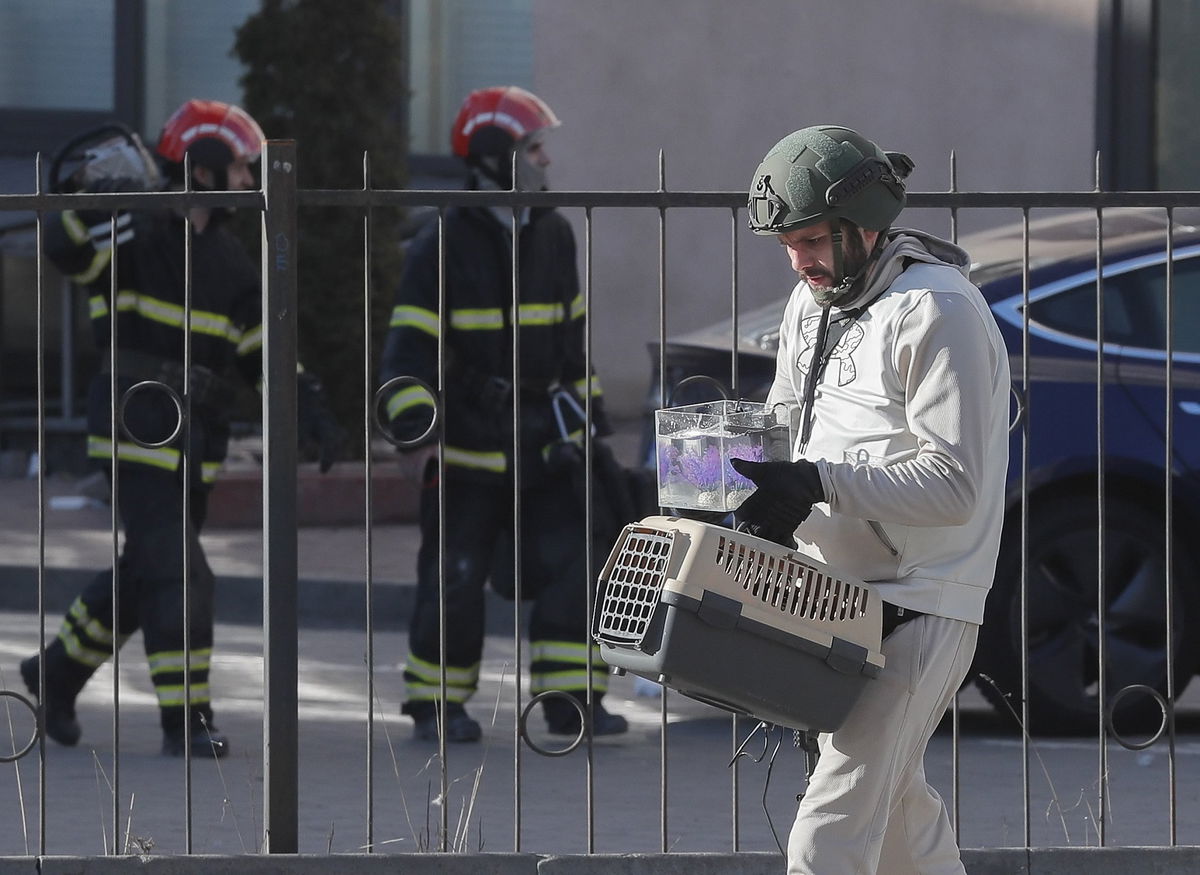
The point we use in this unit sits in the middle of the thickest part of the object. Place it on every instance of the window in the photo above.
(189, 53)
(1148, 94)
(57, 55)
(1135, 308)
(457, 46)
(1178, 96)
(69, 65)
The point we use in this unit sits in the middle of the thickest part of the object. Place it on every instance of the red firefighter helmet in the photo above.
(492, 120)
(224, 132)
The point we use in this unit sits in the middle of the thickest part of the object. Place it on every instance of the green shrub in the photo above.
(331, 75)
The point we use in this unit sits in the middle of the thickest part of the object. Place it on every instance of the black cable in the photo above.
(767, 729)
(766, 785)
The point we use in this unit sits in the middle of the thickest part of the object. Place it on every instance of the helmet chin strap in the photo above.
(846, 288)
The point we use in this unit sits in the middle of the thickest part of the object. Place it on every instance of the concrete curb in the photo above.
(987, 861)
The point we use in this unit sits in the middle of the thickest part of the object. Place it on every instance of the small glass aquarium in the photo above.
(694, 444)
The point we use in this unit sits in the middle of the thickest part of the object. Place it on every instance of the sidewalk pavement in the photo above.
(331, 556)
(367, 782)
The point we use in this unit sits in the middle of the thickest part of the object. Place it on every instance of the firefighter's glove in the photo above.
(319, 428)
(412, 426)
(783, 500)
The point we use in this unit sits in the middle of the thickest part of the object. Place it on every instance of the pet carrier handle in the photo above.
(557, 399)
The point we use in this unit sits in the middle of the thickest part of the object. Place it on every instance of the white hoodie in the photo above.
(910, 429)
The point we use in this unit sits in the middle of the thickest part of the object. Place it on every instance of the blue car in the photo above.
(1056, 436)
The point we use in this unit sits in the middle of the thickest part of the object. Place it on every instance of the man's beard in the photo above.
(854, 258)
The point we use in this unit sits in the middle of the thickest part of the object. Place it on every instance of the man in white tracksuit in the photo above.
(902, 382)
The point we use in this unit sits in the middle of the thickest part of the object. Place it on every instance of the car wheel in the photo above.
(1063, 622)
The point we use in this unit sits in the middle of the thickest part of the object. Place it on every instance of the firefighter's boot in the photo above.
(58, 711)
(563, 718)
(460, 727)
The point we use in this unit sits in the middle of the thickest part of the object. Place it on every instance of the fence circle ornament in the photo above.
(693, 380)
(394, 385)
(523, 723)
(142, 387)
(1163, 705)
(1018, 408)
(37, 727)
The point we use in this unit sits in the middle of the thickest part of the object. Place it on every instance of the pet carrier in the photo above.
(738, 622)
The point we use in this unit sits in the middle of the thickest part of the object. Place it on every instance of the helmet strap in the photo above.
(847, 288)
(493, 168)
(841, 284)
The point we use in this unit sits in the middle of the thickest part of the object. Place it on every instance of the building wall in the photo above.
(1008, 85)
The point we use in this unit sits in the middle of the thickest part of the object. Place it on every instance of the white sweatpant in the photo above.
(868, 808)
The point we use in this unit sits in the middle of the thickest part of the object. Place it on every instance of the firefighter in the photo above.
(476, 329)
(223, 142)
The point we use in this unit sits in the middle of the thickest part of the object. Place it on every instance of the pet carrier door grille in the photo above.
(789, 585)
(634, 585)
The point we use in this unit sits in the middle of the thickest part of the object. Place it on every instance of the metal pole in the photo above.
(280, 757)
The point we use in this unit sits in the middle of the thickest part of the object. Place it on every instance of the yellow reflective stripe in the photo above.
(101, 232)
(209, 471)
(563, 651)
(541, 314)
(97, 306)
(430, 671)
(251, 340)
(92, 627)
(173, 660)
(477, 320)
(73, 225)
(167, 313)
(100, 260)
(174, 695)
(581, 387)
(577, 307)
(422, 693)
(406, 398)
(540, 682)
(492, 318)
(79, 653)
(407, 316)
(474, 459)
(159, 457)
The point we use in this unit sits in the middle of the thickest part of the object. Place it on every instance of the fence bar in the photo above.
(1026, 431)
(280, 697)
(662, 371)
(443, 315)
(41, 517)
(1101, 600)
(515, 239)
(368, 426)
(588, 545)
(185, 466)
(115, 427)
(649, 199)
(735, 390)
(1168, 523)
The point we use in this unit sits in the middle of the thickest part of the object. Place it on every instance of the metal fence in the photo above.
(719, 801)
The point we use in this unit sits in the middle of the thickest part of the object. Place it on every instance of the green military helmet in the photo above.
(824, 173)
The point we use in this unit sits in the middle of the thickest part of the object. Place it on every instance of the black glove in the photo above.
(783, 500)
(317, 424)
(413, 424)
